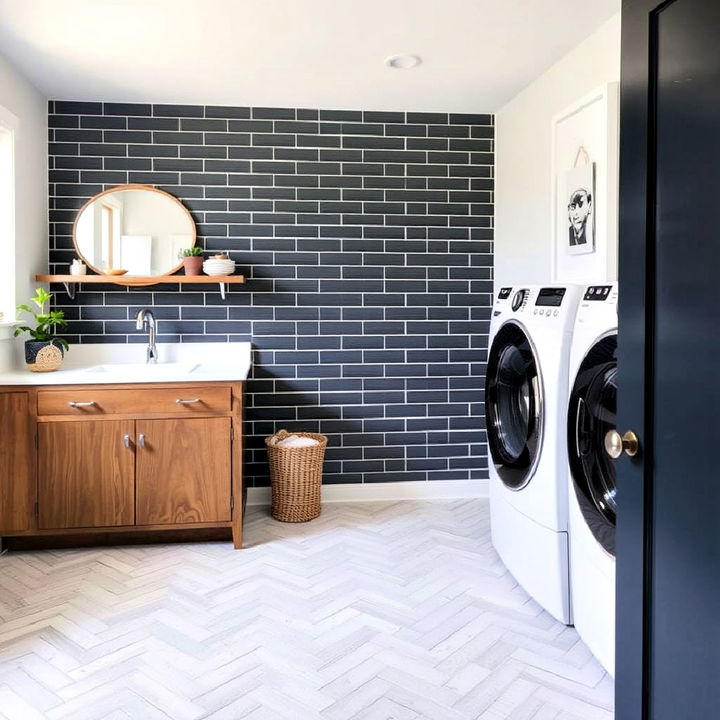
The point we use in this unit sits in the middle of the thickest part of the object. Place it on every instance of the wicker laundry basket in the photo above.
(296, 477)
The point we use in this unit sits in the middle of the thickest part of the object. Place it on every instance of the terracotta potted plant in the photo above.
(192, 261)
(45, 351)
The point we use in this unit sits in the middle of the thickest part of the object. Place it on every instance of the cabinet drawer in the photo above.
(87, 402)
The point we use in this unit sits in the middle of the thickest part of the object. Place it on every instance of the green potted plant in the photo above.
(192, 260)
(45, 351)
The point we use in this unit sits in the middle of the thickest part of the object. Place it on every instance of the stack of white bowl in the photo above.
(219, 266)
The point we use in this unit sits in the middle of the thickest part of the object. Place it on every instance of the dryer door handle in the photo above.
(580, 408)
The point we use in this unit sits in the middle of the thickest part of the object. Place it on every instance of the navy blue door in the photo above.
(668, 523)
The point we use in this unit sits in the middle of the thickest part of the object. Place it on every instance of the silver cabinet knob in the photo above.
(126, 441)
(141, 440)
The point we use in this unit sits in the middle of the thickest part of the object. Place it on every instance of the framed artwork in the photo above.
(584, 186)
(579, 197)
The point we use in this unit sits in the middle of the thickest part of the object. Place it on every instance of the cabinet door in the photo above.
(86, 474)
(16, 462)
(183, 471)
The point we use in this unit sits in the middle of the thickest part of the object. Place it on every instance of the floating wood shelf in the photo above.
(72, 281)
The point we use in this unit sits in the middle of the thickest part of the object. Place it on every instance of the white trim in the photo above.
(369, 492)
(9, 125)
(7, 330)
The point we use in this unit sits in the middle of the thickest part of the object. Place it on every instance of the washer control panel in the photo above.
(547, 302)
(550, 297)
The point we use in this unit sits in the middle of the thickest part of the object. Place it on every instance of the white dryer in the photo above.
(591, 498)
(526, 394)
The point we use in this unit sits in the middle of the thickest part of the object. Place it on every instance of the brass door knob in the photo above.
(616, 444)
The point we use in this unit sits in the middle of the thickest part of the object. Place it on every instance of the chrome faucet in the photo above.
(145, 317)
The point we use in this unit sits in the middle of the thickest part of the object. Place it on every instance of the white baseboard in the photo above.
(369, 492)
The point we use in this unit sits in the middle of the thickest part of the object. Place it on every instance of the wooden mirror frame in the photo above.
(131, 186)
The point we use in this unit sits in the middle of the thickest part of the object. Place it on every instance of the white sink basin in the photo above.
(144, 370)
(110, 363)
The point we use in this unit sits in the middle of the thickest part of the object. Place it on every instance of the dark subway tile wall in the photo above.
(367, 241)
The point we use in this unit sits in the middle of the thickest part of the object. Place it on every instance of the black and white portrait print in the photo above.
(580, 198)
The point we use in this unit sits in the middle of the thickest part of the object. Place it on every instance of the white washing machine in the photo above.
(591, 497)
(526, 395)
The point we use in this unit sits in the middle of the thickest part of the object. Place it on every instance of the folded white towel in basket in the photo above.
(294, 441)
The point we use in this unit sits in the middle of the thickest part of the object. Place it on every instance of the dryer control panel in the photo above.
(597, 292)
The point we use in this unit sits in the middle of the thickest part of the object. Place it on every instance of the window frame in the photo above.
(9, 125)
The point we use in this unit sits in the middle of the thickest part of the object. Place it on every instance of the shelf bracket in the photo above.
(70, 289)
(223, 287)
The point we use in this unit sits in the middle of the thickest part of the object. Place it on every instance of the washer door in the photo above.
(591, 413)
(513, 406)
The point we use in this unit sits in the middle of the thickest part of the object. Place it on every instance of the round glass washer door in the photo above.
(591, 414)
(513, 406)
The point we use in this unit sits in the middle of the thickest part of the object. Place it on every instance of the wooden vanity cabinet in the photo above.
(123, 458)
(183, 471)
(17, 461)
(86, 474)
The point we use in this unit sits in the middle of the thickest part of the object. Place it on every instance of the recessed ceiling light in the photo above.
(403, 62)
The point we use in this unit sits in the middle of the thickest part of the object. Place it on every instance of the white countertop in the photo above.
(114, 363)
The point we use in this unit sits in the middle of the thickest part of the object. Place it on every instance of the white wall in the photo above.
(523, 196)
(21, 99)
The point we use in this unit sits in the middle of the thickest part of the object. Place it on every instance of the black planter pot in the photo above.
(43, 355)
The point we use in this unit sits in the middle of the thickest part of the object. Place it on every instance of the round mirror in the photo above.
(135, 228)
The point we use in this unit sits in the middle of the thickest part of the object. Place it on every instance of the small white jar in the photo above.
(78, 267)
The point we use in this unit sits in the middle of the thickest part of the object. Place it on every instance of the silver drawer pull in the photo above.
(188, 401)
(86, 403)
(126, 441)
(141, 440)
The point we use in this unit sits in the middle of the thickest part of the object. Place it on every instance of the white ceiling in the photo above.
(294, 53)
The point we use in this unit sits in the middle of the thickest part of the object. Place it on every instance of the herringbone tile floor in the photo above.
(374, 611)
